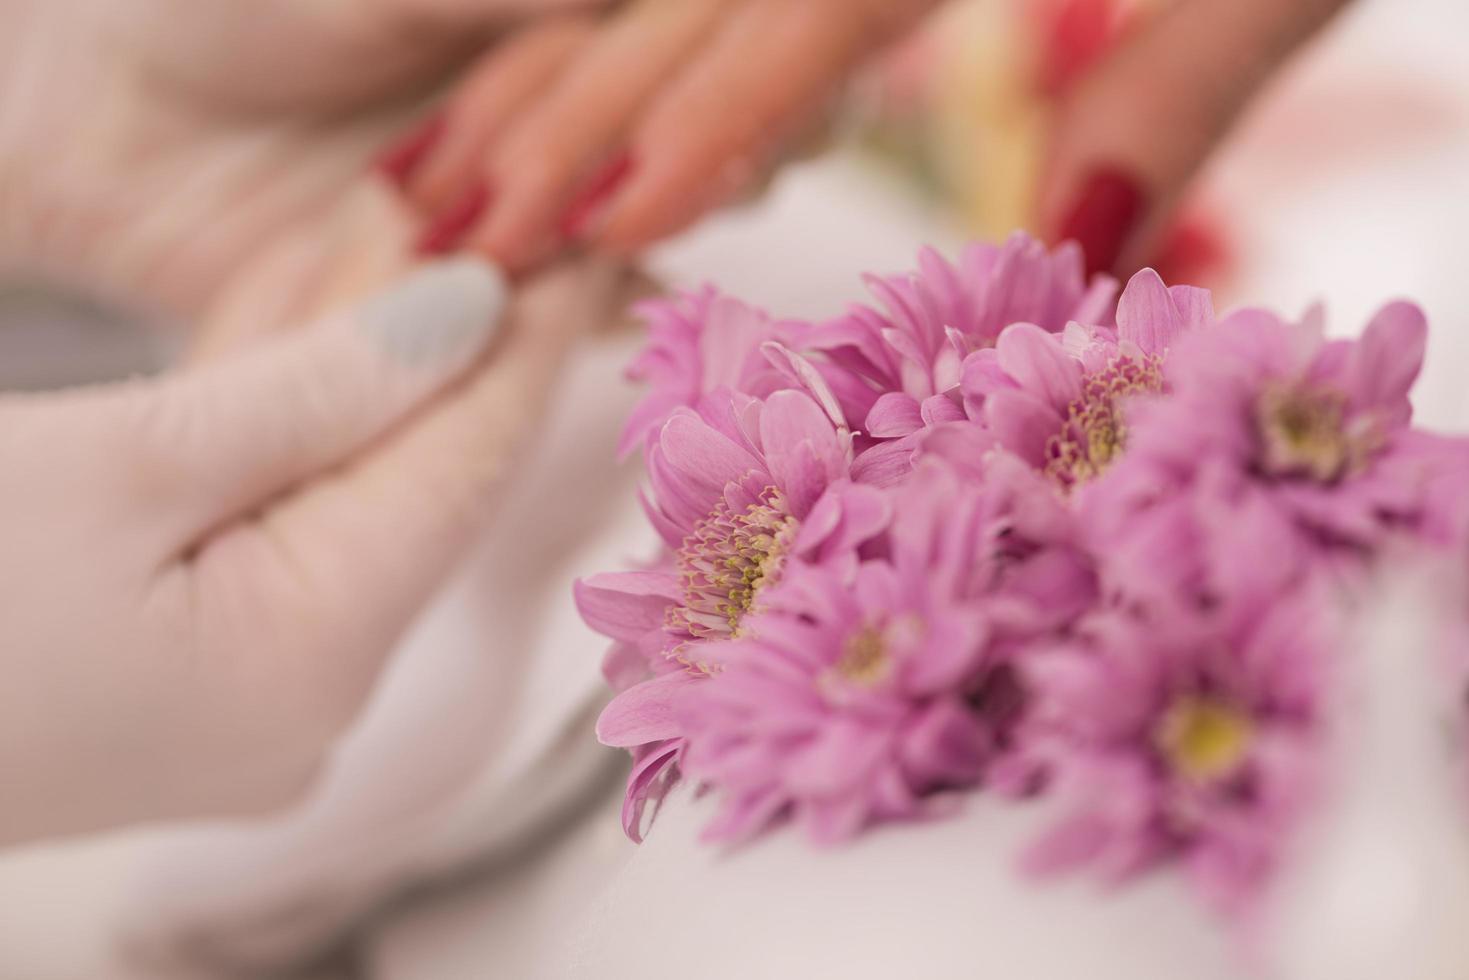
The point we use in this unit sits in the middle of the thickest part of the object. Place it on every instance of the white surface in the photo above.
(942, 902)
(1380, 886)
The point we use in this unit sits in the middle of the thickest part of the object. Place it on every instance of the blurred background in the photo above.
(1345, 184)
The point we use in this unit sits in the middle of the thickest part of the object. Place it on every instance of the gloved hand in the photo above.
(149, 148)
(202, 574)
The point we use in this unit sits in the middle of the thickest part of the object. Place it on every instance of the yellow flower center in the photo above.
(1303, 432)
(727, 561)
(1204, 739)
(865, 661)
(1095, 433)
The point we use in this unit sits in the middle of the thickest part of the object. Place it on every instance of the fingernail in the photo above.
(445, 231)
(444, 315)
(591, 201)
(1107, 211)
(1195, 250)
(400, 161)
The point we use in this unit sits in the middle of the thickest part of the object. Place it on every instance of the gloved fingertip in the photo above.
(447, 312)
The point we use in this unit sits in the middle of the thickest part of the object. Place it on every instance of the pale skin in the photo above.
(212, 160)
(704, 97)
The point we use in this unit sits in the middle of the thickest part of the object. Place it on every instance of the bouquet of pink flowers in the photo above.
(1010, 531)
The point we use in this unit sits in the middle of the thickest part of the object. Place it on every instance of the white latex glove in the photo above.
(202, 574)
(149, 148)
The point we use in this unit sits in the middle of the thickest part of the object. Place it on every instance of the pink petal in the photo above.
(885, 463)
(819, 524)
(650, 778)
(1146, 315)
(801, 448)
(1390, 355)
(845, 517)
(624, 666)
(979, 375)
(682, 504)
(947, 746)
(1096, 304)
(646, 713)
(894, 414)
(963, 445)
(837, 761)
(732, 333)
(746, 815)
(705, 459)
(645, 418)
(949, 654)
(834, 821)
(1070, 844)
(1195, 306)
(669, 530)
(1022, 423)
(1034, 358)
(626, 605)
(941, 408)
(805, 376)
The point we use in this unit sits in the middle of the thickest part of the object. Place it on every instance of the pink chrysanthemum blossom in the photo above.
(858, 694)
(1322, 426)
(1057, 401)
(905, 359)
(844, 710)
(1029, 566)
(1194, 740)
(845, 705)
(735, 495)
(932, 319)
(902, 362)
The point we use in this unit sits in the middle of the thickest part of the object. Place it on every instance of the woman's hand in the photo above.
(1137, 127)
(628, 132)
(149, 148)
(202, 575)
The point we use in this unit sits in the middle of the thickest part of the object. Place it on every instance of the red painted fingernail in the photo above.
(1196, 250)
(445, 231)
(400, 161)
(1107, 211)
(592, 199)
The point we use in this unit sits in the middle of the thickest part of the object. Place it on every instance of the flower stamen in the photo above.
(728, 560)
(1303, 433)
(1204, 739)
(865, 661)
(1094, 432)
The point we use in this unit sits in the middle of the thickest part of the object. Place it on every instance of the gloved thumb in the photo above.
(215, 443)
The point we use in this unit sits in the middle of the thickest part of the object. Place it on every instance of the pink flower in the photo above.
(903, 364)
(856, 694)
(1057, 401)
(846, 705)
(1192, 739)
(1321, 425)
(700, 343)
(735, 495)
